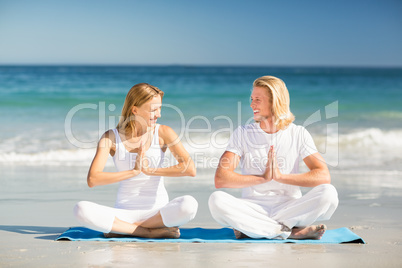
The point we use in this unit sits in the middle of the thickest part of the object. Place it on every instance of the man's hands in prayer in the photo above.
(272, 171)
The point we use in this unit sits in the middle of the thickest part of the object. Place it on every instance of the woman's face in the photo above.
(261, 104)
(148, 113)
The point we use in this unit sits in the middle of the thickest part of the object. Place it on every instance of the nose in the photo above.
(252, 104)
(158, 113)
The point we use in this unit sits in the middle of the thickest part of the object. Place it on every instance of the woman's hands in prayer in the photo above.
(141, 161)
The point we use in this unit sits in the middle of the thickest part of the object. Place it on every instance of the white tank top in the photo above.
(142, 191)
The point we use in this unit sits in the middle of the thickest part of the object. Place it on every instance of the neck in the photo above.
(141, 130)
(138, 131)
(268, 126)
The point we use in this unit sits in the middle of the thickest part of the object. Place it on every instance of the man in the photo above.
(269, 151)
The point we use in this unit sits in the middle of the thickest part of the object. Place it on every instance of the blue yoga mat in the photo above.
(202, 235)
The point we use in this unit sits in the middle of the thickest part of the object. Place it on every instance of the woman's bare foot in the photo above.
(165, 232)
(310, 232)
(239, 235)
(112, 235)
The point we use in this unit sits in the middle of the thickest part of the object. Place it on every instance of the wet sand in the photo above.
(36, 207)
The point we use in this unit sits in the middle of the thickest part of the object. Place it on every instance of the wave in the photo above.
(368, 138)
(80, 157)
(366, 149)
(368, 172)
(385, 115)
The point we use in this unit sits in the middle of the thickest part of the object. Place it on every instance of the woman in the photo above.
(137, 146)
(269, 151)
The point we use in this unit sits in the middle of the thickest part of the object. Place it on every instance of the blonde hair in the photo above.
(279, 97)
(137, 96)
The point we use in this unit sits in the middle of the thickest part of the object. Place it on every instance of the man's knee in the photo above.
(217, 201)
(329, 195)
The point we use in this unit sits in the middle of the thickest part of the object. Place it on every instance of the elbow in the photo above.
(189, 169)
(326, 177)
(90, 182)
(193, 173)
(219, 183)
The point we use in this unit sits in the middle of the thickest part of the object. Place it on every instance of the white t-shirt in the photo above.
(252, 144)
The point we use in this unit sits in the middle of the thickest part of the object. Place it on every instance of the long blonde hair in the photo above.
(137, 96)
(280, 100)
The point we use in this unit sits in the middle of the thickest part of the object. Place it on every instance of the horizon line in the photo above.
(197, 65)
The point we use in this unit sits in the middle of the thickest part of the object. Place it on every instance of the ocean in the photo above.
(54, 115)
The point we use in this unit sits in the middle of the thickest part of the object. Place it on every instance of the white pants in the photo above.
(177, 212)
(264, 218)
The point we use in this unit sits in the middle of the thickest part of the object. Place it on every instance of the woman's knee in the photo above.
(188, 206)
(82, 211)
(179, 211)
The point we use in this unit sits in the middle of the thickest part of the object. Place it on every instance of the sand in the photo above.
(36, 207)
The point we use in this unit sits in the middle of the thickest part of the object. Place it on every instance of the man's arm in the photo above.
(318, 174)
(226, 177)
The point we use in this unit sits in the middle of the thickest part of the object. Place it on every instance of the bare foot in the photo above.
(239, 235)
(165, 232)
(111, 235)
(310, 232)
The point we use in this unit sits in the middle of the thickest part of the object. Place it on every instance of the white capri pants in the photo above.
(264, 218)
(177, 212)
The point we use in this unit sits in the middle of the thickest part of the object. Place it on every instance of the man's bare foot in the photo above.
(239, 235)
(310, 232)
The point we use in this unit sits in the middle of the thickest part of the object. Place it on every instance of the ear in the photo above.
(134, 110)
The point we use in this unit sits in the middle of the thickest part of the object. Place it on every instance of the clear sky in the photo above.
(202, 32)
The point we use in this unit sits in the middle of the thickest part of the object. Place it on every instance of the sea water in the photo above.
(54, 115)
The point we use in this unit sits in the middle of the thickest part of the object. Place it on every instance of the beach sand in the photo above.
(36, 207)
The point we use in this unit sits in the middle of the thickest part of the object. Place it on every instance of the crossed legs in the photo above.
(267, 219)
(150, 228)
(161, 223)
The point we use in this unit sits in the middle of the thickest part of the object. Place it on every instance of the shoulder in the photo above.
(247, 128)
(294, 129)
(165, 131)
(167, 135)
(301, 134)
(250, 126)
(109, 134)
(108, 139)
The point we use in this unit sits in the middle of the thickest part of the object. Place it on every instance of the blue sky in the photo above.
(219, 32)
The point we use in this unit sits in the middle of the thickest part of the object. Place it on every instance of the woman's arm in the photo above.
(226, 177)
(318, 174)
(185, 166)
(96, 176)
